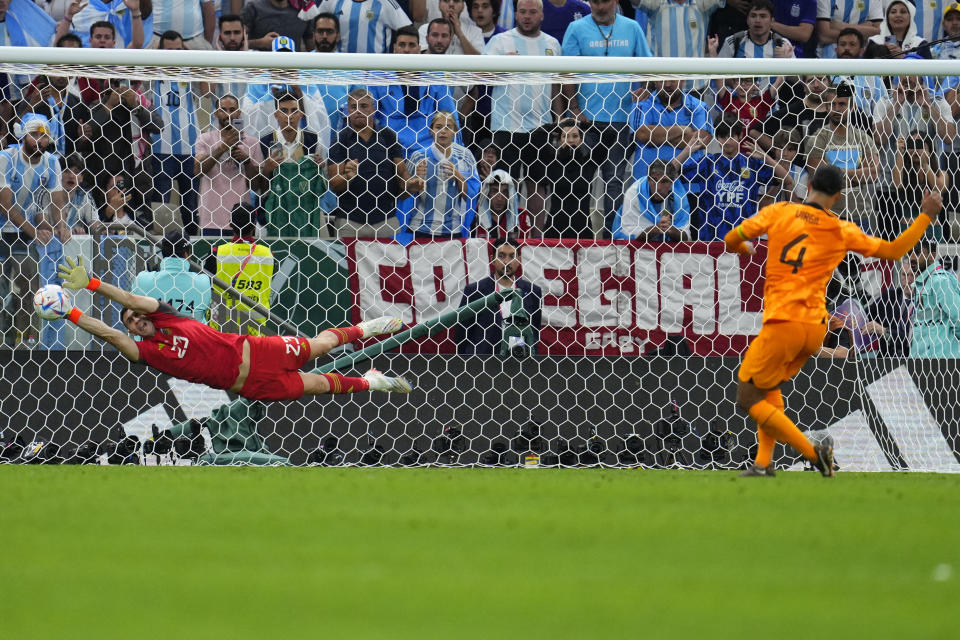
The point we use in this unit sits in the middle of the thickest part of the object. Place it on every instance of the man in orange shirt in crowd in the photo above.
(806, 242)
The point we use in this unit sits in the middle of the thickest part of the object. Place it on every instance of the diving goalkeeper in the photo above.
(806, 242)
(255, 367)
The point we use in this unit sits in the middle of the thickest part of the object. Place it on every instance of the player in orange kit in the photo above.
(806, 242)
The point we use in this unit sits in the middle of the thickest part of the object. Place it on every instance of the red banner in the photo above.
(599, 297)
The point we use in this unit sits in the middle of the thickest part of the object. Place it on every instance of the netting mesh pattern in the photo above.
(288, 202)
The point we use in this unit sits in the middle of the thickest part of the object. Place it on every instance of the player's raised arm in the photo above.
(740, 238)
(75, 277)
(901, 245)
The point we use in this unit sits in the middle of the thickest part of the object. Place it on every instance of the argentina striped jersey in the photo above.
(367, 26)
(440, 208)
(31, 184)
(183, 16)
(177, 106)
(849, 11)
(678, 30)
(115, 13)
(521, 107)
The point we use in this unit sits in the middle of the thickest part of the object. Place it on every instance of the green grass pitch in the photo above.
(471, 553)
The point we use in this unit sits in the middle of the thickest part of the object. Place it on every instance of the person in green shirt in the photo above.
(936, 311)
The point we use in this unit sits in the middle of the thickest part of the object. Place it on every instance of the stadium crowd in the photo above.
(658, 161)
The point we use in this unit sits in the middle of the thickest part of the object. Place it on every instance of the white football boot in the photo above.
(380, 382)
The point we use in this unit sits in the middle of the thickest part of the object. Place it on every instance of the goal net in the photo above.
(319, 190)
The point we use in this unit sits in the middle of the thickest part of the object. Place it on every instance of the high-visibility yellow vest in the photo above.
(249, 269)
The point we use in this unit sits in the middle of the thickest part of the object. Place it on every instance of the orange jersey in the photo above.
(805, 245)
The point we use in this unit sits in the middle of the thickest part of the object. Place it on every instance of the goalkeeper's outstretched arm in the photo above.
(75, 276)
(123, 343)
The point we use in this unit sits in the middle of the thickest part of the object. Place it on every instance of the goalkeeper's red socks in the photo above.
(767, 441)
(776, 423)
(342, 384)
(346, 335)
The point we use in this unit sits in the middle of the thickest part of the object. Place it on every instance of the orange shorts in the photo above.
(779, 351)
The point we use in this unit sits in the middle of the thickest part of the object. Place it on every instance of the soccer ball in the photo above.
(51, 302)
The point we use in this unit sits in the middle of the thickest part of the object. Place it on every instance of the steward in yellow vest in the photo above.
(246, 265)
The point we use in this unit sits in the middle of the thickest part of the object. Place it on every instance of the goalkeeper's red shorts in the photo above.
(779, 351)
(275, 363)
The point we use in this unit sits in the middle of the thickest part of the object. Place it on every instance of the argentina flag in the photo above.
(27, 25)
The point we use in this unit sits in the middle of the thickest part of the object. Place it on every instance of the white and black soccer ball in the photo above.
(51, 302)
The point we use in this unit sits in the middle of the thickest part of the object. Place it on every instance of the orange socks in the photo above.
(777, 425)
(766, 441)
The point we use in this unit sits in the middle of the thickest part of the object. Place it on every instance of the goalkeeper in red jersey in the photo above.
(805, 243)
(255, 367)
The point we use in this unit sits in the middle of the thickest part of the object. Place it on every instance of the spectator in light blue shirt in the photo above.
(188, 293)
(607, 106)
(665, 122)
(408, 108)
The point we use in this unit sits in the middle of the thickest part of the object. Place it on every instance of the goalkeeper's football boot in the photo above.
(380, 382)
(380, 326)
(824, 461)
(756, 471)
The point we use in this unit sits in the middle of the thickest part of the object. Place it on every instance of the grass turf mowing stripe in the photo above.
(471, 553)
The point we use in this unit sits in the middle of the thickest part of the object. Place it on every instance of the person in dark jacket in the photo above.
(515, 324)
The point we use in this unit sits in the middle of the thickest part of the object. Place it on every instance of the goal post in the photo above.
(620, 348)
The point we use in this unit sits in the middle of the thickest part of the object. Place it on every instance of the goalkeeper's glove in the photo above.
(75, 276)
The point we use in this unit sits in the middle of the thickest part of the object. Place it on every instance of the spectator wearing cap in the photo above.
(949, 49)
(58, 98)
(267, 20)
(228, 162)
(898, 33)
(174, 283)
(247, 266)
